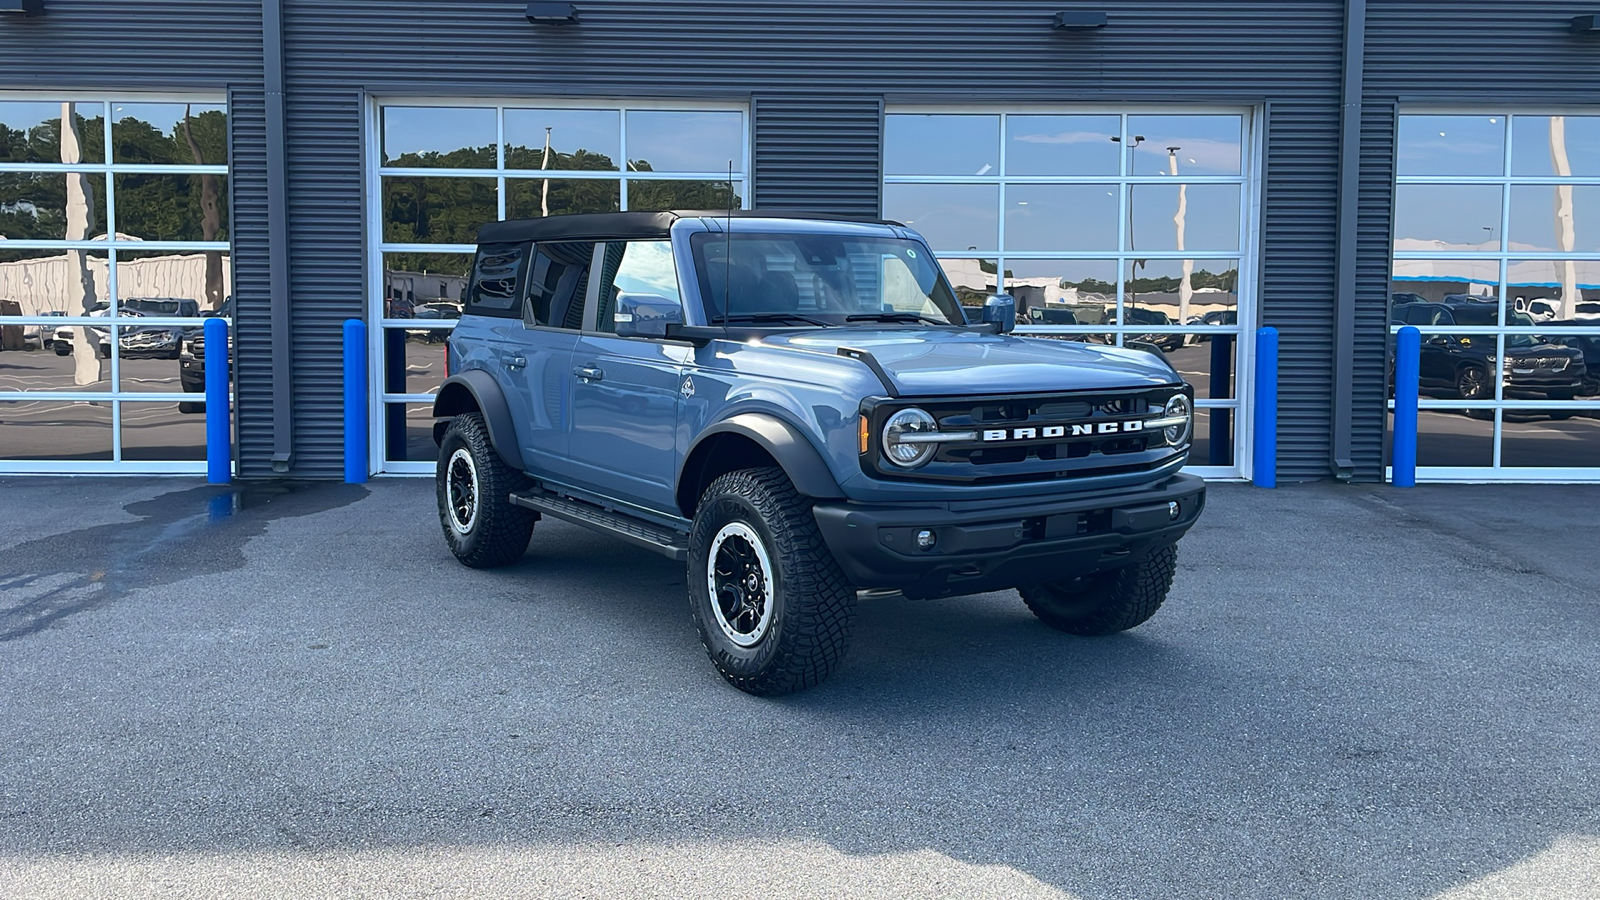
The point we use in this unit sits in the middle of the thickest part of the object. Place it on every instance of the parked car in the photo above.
(192, 358)
(797, 409)
(1217, 318)
(1055, 316)
(1134, 315)
(137, 341)
(1463, 365)
(62, 339)
(1586, 344)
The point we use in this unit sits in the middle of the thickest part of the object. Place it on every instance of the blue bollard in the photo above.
(219, 428)
(1266, 442)
(355, 401)
(1407, 365)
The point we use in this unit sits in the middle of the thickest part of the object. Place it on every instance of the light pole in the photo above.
(1133, 161)
(1185, 287)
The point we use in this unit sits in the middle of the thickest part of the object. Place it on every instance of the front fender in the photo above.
(793, 451)
(476, 391)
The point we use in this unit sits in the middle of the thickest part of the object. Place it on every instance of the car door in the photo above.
(526, 292)
(626, 391)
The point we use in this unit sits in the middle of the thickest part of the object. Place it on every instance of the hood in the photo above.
(940, 362)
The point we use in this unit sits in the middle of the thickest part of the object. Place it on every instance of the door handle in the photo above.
(516, 362)
(589, 373)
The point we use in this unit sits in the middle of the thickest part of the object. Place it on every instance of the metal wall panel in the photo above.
(818, 154)
(252, 339)
(816, 73)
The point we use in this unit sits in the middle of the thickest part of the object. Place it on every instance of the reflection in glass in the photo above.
(414, 361)
(185, 134)
(1213, 438)
(1186, 145)
(952, 217)
(161, 432)
(1559, 217)
(1174, 292)
(437, 210)
(674, 141)
(569, 139)
(1556, 290)
(173, 284)
(52, 282)
(941, 145)
(1063, 292)
(712, 195)
(52, 206)
(533, 198)
(1451, 145)
(1058, 217)
(1416, 281)
(55, 431)
(972, 280)
(43, 370)
(1447, 217)
(1549, 438)
(1555, 145)
(1184, 217)
(439, 137)
(408, 433)
(1208, 363)
(30, 131)
(414, 282)
(172, 207)
(1455, 438)
(1061, 145)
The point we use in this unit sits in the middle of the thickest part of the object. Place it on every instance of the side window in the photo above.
(558, 280)
(643, 268)
(496, 274)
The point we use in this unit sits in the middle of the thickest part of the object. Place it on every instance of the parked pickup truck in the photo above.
(797, 409)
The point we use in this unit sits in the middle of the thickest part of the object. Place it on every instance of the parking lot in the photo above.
(296, 692)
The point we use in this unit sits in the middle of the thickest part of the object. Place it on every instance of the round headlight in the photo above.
(907, 422)
(1178, 407)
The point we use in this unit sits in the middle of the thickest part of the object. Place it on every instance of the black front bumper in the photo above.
(992, 545)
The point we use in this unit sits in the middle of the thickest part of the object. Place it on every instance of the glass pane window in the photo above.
(30, 132)
(1172, 293)
(1060, 145)
(169, 133)
(1186, 145)
(415, 283)
(437, 209)
(1184, 217)
(190, 208)
(685, 141)
(952, 217)
(1442, 217)
(941, 145)
(1451, 145)
(1542, 438)
(52, 206)
(1554, 290)
(566, 139)
(1057, 216)
(1556, 146)
(534, 198)
(1558, 217)
(438, 137)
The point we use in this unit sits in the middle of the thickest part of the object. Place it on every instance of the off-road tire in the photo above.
(812, 604)
(1107, 602)
(496, 532)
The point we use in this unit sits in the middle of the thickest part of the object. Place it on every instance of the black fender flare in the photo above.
(794, 453)
(476, 391)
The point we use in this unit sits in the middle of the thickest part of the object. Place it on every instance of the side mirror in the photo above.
(1000, 309)
(645, 315)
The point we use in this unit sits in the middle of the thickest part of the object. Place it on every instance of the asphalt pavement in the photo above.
(294, 691)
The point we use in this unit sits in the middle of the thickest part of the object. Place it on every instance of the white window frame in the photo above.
(378, 398)
(1504, 257)
(1250, 180)
(116, 397)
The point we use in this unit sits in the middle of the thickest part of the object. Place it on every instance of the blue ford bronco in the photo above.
(798, 409)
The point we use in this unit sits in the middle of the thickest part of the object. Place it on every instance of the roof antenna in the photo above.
(727, 253)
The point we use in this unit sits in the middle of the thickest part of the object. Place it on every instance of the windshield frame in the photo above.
(911, 252)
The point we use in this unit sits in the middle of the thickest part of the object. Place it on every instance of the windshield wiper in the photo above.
(771, 316)
(894, 317)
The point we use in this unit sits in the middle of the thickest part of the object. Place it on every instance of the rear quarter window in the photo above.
(497, 276)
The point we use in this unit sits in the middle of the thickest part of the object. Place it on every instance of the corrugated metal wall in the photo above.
(816, 73)
(1491, 55)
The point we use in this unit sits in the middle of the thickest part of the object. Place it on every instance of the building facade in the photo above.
(1183, 174)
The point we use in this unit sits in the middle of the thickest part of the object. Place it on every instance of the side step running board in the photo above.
(665, 541)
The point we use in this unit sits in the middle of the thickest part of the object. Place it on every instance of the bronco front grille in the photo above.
(1033, 437)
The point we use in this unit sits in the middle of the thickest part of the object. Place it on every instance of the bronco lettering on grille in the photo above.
(1086, 429)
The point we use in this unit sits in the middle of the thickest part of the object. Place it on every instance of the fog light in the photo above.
(1174, 510)
(926, 539)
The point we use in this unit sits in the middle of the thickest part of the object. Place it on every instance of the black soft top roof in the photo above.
(631, 225)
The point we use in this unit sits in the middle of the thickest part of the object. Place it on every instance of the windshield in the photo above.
(821, 279)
